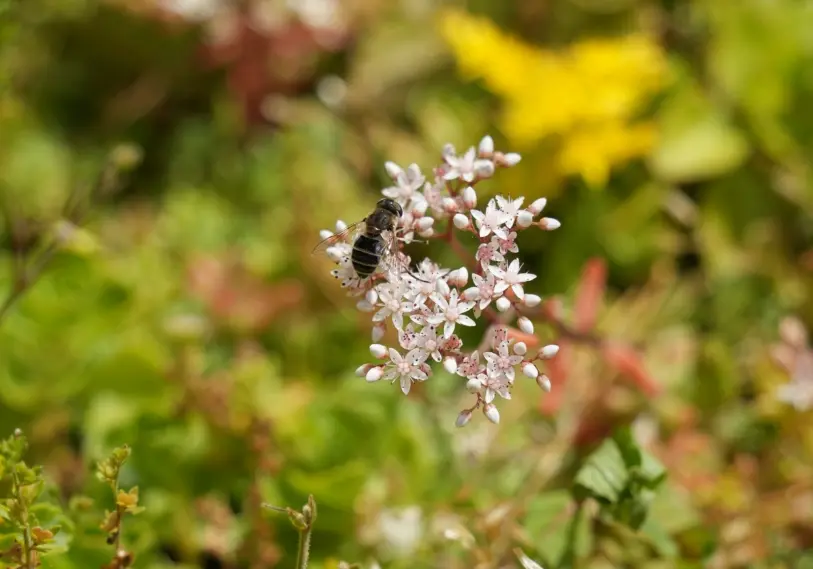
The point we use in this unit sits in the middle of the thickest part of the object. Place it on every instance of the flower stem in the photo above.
(18, 494)
(303, 550)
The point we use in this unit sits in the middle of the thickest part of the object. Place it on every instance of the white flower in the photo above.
(507, 245)
(502, 362)
(510, 208)
(485, 290)
(428, 274)
(512, 278)
(391, 299)
(492, 221)
(495, 384)
(407, 337)
(406, 369)
(429, 342)
(466, 167)
(406, 184)
(470, 366)
(488, 253)
(451, 312)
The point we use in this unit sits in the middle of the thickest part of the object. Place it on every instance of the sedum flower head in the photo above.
(426, 304)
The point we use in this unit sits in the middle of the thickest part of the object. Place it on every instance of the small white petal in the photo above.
(378, 350)
(511, 159)
(365, 306)
(374, 374)
(325, 234)
(503, 304)
(537, 206)
(525, 218)
(448, 329)
(520, 348)
(378, 332)
(548, 351)
(450, 365)
(549, 224)
(406, 383)
(443, 287)
(473, 385)
(393, 169)
(461, 221)
(486, 147)
(371, 296)
(543, 381)
(530, 370)
(465, 320)
(463, 418)
(335, 254)
(525, 325)
(532, 300)
(469, 197)
(425, 223)
(362, 370)
(492, 414)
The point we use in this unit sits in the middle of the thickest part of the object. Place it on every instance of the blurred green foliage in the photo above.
(163, 177)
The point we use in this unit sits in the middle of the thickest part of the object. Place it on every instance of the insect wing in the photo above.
(347, 235)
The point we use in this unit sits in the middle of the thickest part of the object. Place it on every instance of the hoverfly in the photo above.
(370, 245)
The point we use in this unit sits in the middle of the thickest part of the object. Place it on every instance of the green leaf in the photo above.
(604, 474)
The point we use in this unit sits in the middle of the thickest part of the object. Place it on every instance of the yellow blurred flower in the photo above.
(587, 95)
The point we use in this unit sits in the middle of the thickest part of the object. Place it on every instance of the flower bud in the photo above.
(486, 147)
(450, 365)
(469, 197)
(420, 208)
(520, 348)
(511, 159)
(449, 205)
(371, 296)
(340, 226)
(473, 385)
(548, 352)
(472, 293)
(459, 277)
(428, 233)
(484, 168)
(543, 381)
(374, 374)
(525, 325)
(530, 370)
(461, 221)
(378, 350)
(335, 254)
(325, 234)
(537, 206)
(378, 332)
(491, 413)
(549, 224)
(503, 304)
(443, 287)
(362, 370)
(463, 418)
(525, 218)
(364, 306)
(393, 169)
(425, 223)
(532, 300)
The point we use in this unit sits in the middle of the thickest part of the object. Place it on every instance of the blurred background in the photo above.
(166, 166)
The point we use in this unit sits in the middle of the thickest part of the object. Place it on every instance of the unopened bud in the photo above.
(525, 218)
(486, 147)
(537, 206)
(365, 306)
(543, 381)
(340, 226)
(371, 296)
(335, 254)
(472, 293)
(393, 169)
(484, 168)
(491, 413)
(503, 304)
(427, 233)
(425, 223)
(511, 159)
(450, 365)
(532, 300)
(374, 374)
(461, 221)
(459, 277)
(548, 352)
(530, 370)
(378, 350)
(549, 224)
(469, 197)
(325, 234)
(420, 208)
(525, 325)
(520, 348)
(473, 385)
(362, 370)
(449, 205)
(463, 418)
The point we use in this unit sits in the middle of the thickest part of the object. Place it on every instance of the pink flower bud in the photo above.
(532, 300)
(374, 374)
(503, 304)
(520, 348)
(537, 206)
(530, 370)
(378, 350)
(420, 208)
(543, 381)
(525, 325)
(549, 224)
(492, 414)
(469, 197)
(525, 218)
(425, 223)
(548, 352)
(486, 147)
(463, 418)
(449, 205)
(393, 169)
(450, 365)
(428, 233)
(362, 370)
(459, 277)
(461, 221)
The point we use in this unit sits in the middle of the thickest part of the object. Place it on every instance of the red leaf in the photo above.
(592, 286)
(628, 362)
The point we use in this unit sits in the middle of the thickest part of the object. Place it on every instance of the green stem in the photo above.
(303, 550)
(18, 494)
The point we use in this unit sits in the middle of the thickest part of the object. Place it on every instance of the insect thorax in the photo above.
(380, 220)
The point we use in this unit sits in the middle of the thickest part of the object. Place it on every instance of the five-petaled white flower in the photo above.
(511, 277)
(466, 167)
(407, 182)
(510, 208)
(429, 342)
(495, 384)
(406, 369)
(484, 290)
(451, 312)
(502, 362)
(492, 221)
(391, 298)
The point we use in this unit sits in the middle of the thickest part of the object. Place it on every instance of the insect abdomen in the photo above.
(366, 255)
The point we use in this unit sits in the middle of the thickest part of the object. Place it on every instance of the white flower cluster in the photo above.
(426, 304)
